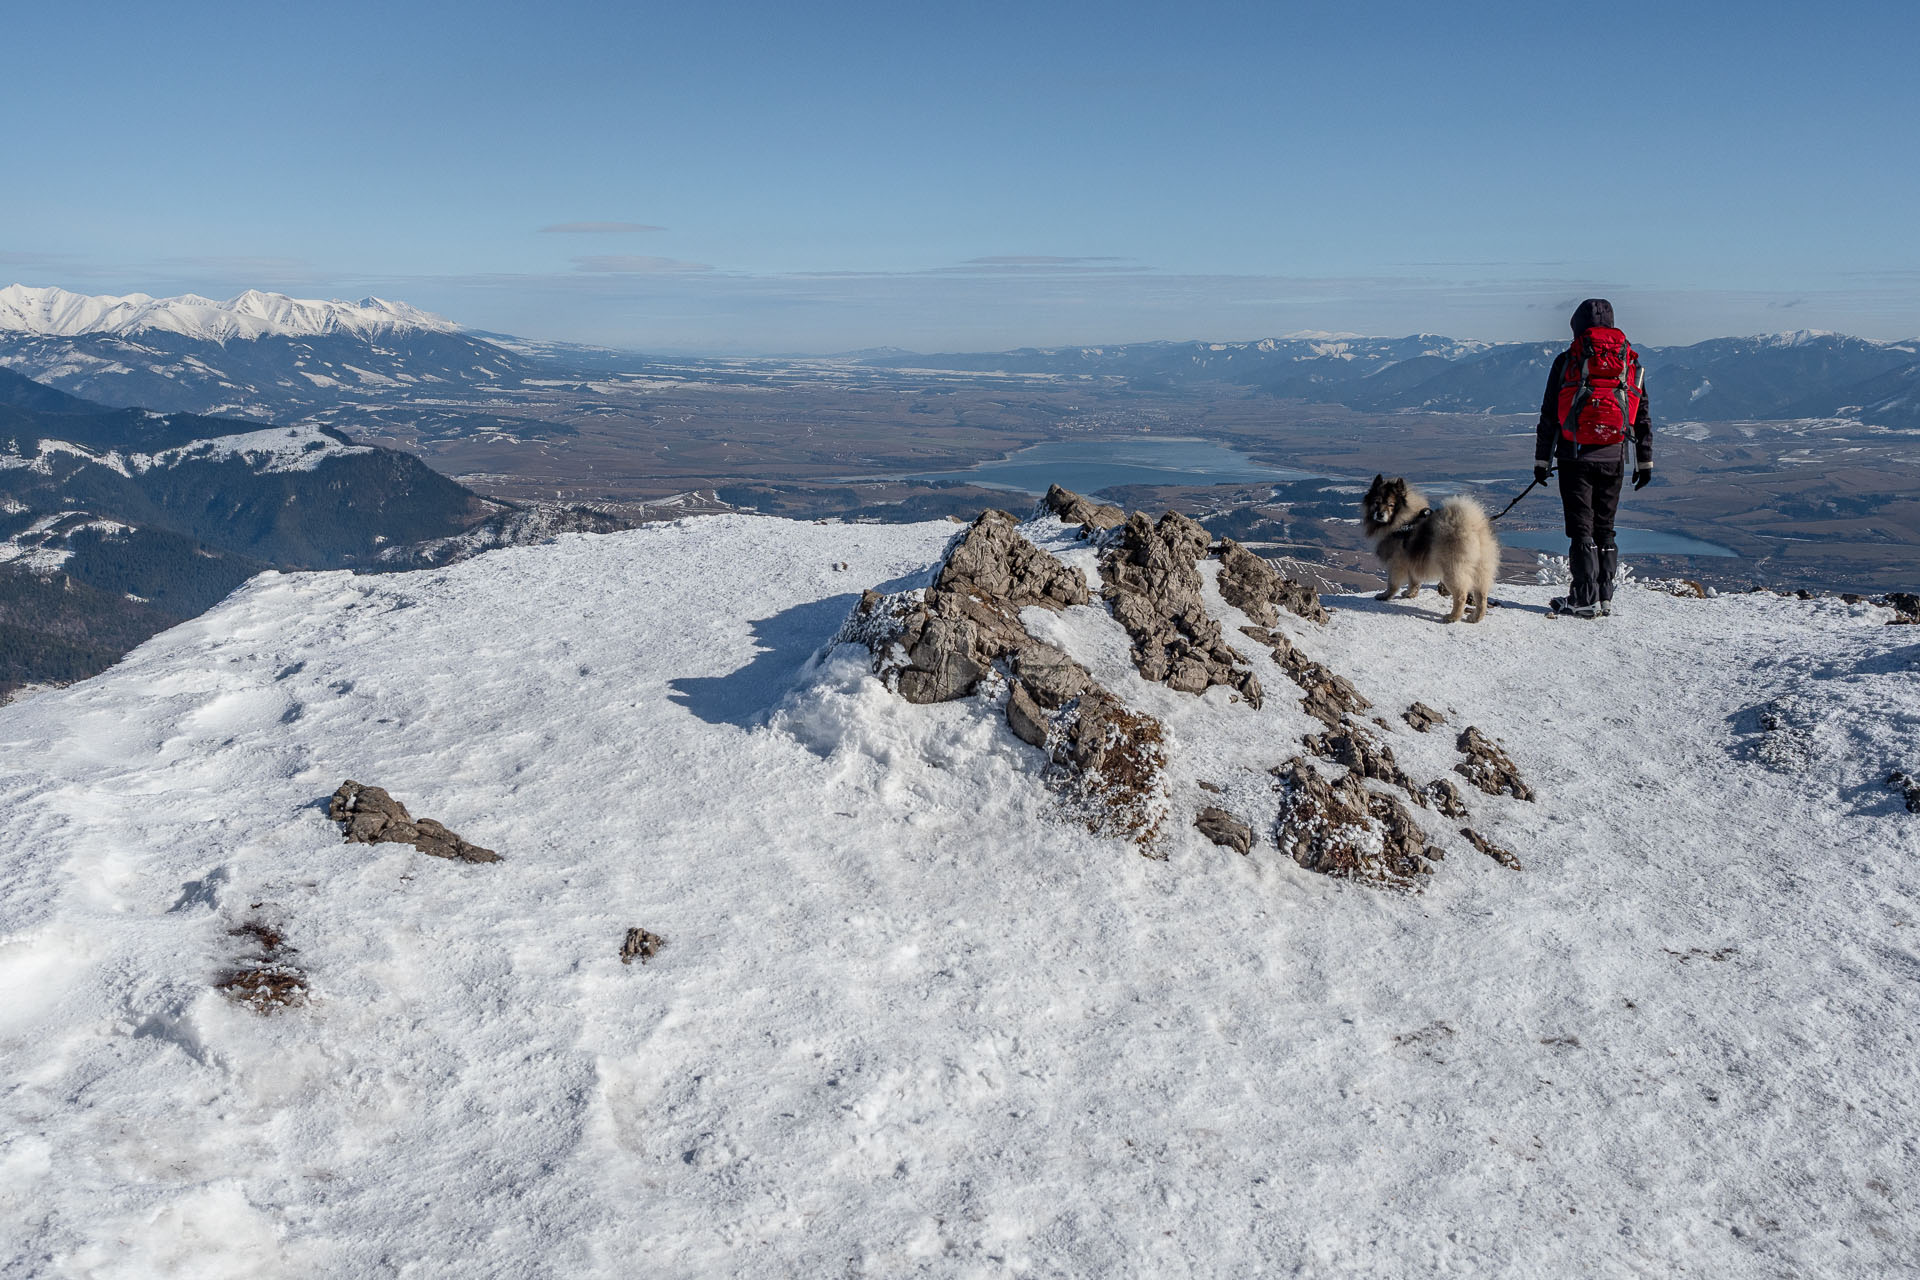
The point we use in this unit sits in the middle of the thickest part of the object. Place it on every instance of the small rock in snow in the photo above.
(1446, 797)
(1502, 856)
(1488, 767)
(1223, 828)
(369, 815)
(640, 943)
(1908, 786)
(1422, 717)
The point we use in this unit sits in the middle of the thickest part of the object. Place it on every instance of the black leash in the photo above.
(1516, 502)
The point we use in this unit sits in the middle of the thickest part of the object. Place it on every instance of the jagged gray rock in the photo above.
(1151, 578)
(368, 815)
(1908, 787)
(1341, 829)
(1257, 589)
(1444, 796)
(943, 660)
(1488, 767)
(1053, 678)
(1092, 517)
(1025, 716)
(1106, 762)
(993, 560)
(938, 647)
(1365, 754)
(1224, 829)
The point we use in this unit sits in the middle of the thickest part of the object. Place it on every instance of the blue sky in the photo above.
(779, 177)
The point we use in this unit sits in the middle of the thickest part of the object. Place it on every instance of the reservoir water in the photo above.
(1093, 466)
(1090, 466)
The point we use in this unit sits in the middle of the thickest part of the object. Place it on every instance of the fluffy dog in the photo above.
(1452, 544)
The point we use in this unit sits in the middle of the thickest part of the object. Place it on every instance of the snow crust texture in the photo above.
(910, 1020)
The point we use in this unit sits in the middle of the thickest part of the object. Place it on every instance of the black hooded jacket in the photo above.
(1549, 444)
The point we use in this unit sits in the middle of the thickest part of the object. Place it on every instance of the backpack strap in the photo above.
(1581, 353)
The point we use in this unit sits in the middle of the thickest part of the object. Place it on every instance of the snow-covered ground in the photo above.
(909, 1021)
(301, 448)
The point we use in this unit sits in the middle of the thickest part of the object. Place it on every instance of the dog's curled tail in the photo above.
(1463, 518)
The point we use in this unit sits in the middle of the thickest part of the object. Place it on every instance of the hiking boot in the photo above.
(1561, 606)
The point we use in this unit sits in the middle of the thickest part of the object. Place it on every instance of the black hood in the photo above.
(1594, 313)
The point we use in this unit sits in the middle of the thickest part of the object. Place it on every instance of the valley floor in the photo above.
(908, 1019)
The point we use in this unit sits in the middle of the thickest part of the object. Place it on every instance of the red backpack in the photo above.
(1601, 388)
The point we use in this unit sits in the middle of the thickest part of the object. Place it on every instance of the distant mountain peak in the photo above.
(57, 312)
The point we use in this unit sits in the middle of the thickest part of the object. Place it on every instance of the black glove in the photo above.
(1540, 473)
(1643, 477)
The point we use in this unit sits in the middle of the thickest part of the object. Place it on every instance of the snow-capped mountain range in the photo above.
(271, 357)
(55, 312)
(264, 356)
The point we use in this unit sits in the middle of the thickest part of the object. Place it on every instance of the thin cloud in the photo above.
(601, 228)
(1040, 264)
(11, 258)
(636, 264)
(1036, 260)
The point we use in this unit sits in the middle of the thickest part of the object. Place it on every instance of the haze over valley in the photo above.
(1785, 461)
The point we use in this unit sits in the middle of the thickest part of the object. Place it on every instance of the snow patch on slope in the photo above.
(277, 449)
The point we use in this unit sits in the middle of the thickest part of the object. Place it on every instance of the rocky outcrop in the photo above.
(1905, 606)
(1092, 517)
(1224, 829)
(1105, 761)
(1327, 697)
(935, 646)
(1909, 788)
(1151, 578)
(1500, 855)
(1257, 589)
(1422, 717)
(368, 815)
(1444, 796)
(994, 562)
(1365, 755)
(1342, 829)
(1488, 767)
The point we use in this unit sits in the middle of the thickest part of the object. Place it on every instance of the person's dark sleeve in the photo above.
(1643, 430)
(1548, 432)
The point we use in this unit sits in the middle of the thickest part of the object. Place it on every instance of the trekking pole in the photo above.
(1523, 493)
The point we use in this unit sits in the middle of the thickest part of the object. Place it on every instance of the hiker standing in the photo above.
(1596, 397)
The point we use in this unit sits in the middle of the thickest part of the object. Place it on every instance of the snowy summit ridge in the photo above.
(56, 312)
(902, 1007)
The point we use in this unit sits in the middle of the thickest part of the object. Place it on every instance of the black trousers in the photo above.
(1590, 495)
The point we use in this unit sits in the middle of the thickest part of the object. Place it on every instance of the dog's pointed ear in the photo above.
(1378, 478)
